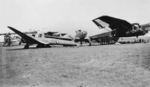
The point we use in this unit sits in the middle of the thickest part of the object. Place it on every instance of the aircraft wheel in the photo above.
(77, 45)
(90, 44)
(47, 46)
(26, 46)
(39, 46)
(42, 46)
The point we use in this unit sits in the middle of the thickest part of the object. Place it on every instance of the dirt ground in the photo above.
(125, 65)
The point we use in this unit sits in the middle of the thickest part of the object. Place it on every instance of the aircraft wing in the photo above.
(50, 33)
(59, 38)
(2, 33)
(146, 26)
(63, 34)
(113, 23)
(98, 36)
(27, 38)
(105, 34)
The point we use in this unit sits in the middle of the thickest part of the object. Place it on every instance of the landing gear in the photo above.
(26, 46)
(42, 46)
(90, 43)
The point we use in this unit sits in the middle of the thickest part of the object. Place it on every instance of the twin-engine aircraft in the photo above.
(81, 36)
(45, 40)
(119, 28)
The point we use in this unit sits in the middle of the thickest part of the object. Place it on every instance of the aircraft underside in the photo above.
(47, 45)
(37, 46)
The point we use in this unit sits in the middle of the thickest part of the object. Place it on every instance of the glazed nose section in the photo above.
(81, 35)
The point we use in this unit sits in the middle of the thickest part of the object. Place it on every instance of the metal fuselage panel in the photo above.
(52, 41)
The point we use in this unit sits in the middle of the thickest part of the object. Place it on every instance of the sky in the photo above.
(68, 15)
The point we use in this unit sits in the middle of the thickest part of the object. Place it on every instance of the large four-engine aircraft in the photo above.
(42, 40)
(119, 28)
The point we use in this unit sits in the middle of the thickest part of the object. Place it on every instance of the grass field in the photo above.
(125, 65)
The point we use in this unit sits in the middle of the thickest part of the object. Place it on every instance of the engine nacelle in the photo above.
(136, 27)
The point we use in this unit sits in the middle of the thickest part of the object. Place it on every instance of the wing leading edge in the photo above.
(121, 26)
(113, 22)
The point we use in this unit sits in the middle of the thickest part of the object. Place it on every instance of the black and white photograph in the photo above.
(74, 43)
